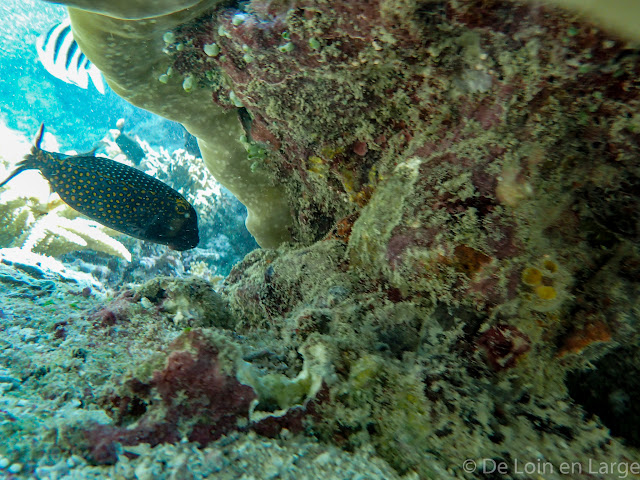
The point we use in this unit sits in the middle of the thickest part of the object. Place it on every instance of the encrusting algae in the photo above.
(452, 306)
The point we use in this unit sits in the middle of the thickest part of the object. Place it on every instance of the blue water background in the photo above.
(29, 95)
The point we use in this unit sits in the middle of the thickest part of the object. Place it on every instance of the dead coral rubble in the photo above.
(63, 370)
(198, 388)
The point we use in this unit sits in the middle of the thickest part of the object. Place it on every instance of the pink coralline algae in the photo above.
(431, 152)
(192, 395)
(191, 388)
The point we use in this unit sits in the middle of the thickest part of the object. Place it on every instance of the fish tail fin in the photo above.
(28, 162)
(22, 166)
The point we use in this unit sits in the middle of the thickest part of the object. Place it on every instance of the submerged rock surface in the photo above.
(459, 181)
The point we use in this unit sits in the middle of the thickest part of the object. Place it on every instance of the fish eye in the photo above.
(182, 207)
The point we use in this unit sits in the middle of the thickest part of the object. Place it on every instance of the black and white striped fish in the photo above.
(61, 56)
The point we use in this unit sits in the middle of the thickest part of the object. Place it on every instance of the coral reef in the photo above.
(461, 164)
(72, 357)
(414, 375)
(132, 64)
(195, 395)
(463, 178)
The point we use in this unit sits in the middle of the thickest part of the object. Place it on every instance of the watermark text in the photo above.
(619, 470)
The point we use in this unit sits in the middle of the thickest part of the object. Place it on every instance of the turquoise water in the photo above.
(30, 95)
(80, 118)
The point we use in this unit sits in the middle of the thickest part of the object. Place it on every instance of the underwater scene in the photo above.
(319, 239)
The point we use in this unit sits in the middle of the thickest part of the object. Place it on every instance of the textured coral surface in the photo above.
(466, 176)
(463, 282)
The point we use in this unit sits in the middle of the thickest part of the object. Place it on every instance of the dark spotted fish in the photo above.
(117, 196)
(130, 148)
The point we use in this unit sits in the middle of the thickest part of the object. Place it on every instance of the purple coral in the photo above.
(198, 398)
(191, 386)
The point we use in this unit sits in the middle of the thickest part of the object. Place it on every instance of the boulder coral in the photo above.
(459, 181)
